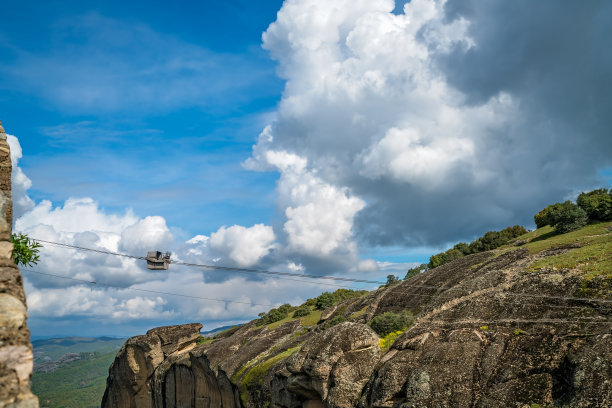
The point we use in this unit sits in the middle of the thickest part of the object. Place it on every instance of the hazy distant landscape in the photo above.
(71, 371)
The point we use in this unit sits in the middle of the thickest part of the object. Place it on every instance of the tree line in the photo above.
(592, 206)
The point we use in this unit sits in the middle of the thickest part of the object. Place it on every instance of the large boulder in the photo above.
(329, 370)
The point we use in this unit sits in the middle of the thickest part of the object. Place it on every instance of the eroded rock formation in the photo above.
(491, 330)
(16, 358)
(158, 370)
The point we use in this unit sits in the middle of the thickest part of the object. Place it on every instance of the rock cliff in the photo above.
(521, 326)
(15, 348)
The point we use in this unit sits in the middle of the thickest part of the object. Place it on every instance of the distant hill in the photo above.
(71, 372)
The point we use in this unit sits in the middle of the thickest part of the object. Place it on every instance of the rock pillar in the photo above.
(16, 358)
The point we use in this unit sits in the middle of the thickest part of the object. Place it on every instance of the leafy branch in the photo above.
(25, 250)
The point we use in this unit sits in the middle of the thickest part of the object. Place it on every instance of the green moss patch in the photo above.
(256, 374)
(359, 312)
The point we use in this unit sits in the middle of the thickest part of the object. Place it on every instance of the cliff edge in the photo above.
(526, 325)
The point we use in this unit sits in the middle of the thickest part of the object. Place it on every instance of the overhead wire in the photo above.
(215, 267)
(261, 271)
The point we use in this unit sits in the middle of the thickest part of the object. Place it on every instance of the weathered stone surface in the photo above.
(473, 344)
(12, 312)
(15, 347)
(330, 368)
(174, 338)
(163, 369)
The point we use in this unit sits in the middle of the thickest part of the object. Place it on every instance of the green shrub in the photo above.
(569, 217)
(324, 300)
(548, 215)
(25, 251)
(597, 204)
(327, 299)
(392, 280)
(301, 311)
(389, 322)
(274, 315)
(417, 270)
(489, 241)
(335, 320)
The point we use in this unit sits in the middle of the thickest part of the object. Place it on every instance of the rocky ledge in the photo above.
(504, 328)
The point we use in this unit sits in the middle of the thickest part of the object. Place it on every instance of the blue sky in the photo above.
(323, 136)
(125, 145)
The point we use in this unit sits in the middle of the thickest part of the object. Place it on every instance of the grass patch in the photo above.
(593, 257)
(545, 238)
(312, 319)
(274, 325)
(204, 340)
(309, 320)
(359, 312)
(256, 374)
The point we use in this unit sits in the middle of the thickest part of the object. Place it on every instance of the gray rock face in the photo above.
(329, 370)
(158, 370)
(479, 340)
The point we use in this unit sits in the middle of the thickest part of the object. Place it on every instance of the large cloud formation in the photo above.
(447, 119)
(398, 128)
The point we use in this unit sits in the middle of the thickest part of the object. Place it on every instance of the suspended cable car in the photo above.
(158, 261)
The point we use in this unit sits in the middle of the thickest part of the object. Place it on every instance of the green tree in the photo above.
(301, 311)
(597, 204)
(548, 215)
(324, 300)
(392, 280)
(25, 250)
(569, 217)
(417, 270)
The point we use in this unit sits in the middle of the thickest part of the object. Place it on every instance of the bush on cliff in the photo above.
(390, 322)
(274, 315)
(569, 217)
(301, 311)
(547, 216)
(489, 241)
(597, 204)
(328, 299)
(417, 270)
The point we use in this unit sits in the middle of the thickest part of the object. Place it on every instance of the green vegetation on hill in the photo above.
(79, 384)
(490, 240)
(68, 383)
(53, 349)
(590, 207)
(588, 249)
(564, 217)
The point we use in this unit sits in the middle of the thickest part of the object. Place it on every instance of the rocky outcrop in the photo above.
(330, 369)
(16, 358)
(157, 370)
(494, 329)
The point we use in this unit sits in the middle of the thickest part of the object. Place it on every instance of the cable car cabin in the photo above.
(158, 261)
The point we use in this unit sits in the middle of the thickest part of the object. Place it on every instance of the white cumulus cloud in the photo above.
(244, 246)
